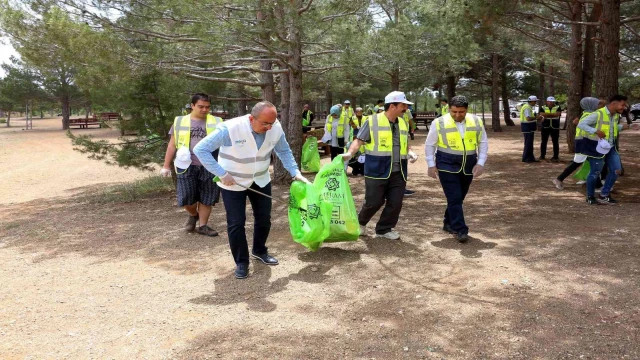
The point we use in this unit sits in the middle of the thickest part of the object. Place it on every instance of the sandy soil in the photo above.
(41, 163)
(544, 277)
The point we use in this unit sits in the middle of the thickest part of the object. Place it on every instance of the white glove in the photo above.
(412, 157)
(346, 156)
(299, 177)
(165, 172)
(227, 180)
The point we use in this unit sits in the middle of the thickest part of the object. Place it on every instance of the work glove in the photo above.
(299, 177)
(165, 172)
(478, 170)
(412, 157)
(346, 156)
(227, 180)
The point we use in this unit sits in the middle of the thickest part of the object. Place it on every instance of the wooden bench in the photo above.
(108, 116)
(425, 118)
(84, 123)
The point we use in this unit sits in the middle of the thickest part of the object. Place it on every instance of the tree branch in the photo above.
(304, 9)
(630, 19)
(227, 80)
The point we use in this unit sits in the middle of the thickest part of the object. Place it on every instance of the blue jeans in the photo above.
(612, 159)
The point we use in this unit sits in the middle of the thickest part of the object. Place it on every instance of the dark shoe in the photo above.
(191, 223)
(607, 200)
(265, 258)
(463, 238)
(408, 192)
(242, 271)
(591, 200)
(206, 230)
(555, 160)
(447, 228)
(541, 158)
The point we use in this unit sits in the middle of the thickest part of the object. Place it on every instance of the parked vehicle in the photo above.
(634, 112)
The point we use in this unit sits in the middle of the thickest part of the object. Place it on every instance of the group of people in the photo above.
(596, 141)
(231, 159)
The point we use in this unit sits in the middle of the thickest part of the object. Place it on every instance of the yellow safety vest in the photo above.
(341, 125)
(604, 124)
(522, 109)
(445, 109)
(346, 116)
(548, 110)
(381, 146)
(580, 133)
(451, 143)
(182, 128)
(307, 119)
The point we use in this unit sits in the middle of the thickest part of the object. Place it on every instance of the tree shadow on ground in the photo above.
(470, 249)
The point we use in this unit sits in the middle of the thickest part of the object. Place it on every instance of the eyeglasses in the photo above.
(265, 124)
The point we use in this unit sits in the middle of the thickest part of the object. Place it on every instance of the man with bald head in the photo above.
(245, 144)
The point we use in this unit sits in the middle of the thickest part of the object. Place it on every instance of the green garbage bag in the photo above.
(333, 186)
(583, 172)
(310, 156)
(308, 226)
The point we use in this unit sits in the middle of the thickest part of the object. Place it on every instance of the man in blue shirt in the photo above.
(245, 145)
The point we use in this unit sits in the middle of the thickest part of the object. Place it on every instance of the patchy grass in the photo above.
(129, 192)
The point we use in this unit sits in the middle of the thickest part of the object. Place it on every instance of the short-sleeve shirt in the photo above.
(198, 132)
(365, 135)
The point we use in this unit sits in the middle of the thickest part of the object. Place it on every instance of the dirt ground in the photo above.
(544, 276)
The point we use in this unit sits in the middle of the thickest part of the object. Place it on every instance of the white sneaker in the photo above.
(580, 182)
(391, 235)
(363, 231)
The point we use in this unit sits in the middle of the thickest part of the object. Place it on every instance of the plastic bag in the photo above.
(332, 185)
(583, 172)
(310, 156)
(308, 228)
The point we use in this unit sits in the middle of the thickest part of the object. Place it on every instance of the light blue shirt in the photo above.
(587, 124)
(220, 137)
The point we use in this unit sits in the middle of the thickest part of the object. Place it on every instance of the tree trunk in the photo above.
(495, 94)
(268, 87)
(66, 110)
(505, 96)
(609, 62)
(280, 174)
(482, 101)
(8, 118)
(589, 62)
(242, 104)
(575, 74)
(541, 89)
(451, 87)
(552, 82)
(395, 79)
(329, 97)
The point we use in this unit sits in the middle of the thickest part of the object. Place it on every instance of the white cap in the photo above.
(603, 147)
(532, 98)
(396, 97)
(347, 102)
(183, 158)
(551, 98)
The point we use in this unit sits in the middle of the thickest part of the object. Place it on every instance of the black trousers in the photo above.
(235, 203)
(573, 166)
(555, 136)
(388, 192)
(455, 187)
(527, 153)
(358, 169)
(335, 151)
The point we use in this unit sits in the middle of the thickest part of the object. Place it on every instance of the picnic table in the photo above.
(425, 118)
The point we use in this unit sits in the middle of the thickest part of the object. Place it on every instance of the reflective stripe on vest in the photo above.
(604, 123)
(548, 122)
(524, 118)
(182, 128)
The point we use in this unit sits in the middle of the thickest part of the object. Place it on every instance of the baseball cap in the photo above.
(396, 97)
(551, 98)
(532, 98)
(183, 158)
(347, 102)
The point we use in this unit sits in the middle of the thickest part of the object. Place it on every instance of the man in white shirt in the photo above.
(455, 157)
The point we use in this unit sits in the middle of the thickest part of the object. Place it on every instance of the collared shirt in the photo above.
(431, 145)
(587, 124)
(220, 137)
(365, 135)
(527, 112)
